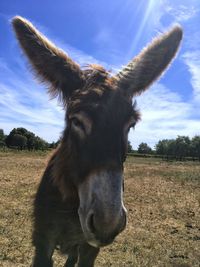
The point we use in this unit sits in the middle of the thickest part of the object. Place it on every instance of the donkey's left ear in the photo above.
(51, 64)
(138, 75)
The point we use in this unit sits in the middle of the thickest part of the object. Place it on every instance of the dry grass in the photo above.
(162, 199)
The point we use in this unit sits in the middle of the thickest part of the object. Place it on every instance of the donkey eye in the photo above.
(80, 124)
(77, 123)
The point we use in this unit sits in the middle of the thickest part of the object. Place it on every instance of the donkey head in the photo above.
(98, 118)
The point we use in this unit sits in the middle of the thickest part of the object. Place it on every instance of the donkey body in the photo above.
(79, 203)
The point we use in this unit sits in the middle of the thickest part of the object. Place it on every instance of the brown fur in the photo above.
(78, 205)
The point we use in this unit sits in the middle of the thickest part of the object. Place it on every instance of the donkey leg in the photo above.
(72, 258)
(43, 255)
(87, 255)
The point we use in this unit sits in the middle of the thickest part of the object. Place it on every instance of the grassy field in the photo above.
(162, 199)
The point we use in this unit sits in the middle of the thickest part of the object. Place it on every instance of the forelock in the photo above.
(98, 85)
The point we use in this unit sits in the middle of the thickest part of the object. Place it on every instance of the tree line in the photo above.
(178, 148)
(21, 138)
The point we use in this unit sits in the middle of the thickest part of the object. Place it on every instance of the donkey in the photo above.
(79, 207)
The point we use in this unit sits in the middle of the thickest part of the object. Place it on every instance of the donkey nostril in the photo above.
(90, 223)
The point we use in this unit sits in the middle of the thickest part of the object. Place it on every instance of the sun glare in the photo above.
(149, 7)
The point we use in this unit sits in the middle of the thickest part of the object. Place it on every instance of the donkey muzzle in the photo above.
(101, 212)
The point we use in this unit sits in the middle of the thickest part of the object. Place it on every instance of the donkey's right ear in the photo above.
(51, 64)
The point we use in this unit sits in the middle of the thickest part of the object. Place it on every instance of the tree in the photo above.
(18, 141)
(162, 147)
(129, 147)
(171, 147)
(195, 146)
(2, 138)
(1, 134)
(32, 141)
(10, 139)
(182, 146)
(143, 148)
(40, 144)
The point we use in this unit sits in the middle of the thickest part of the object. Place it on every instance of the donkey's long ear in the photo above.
(138, 75)
(51, 64)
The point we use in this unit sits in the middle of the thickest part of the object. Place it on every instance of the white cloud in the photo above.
(164, 115)
(172, 11)
(25, 104)
(182, 12)
(192, 60)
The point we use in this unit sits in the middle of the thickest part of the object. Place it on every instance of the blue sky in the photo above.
(109, 33)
